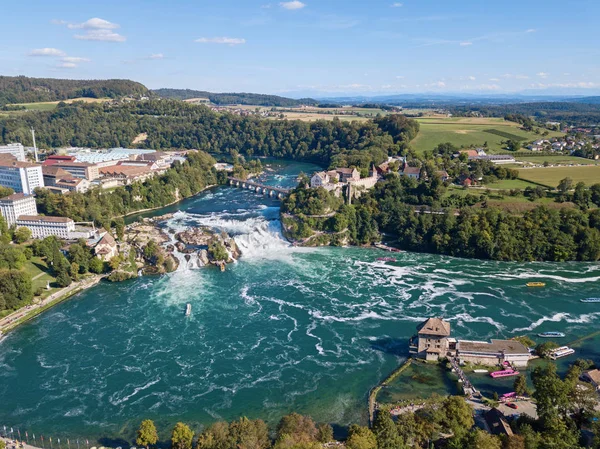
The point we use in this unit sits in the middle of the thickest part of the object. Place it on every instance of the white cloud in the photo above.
(542, 75)
(294, 4)
(58, 22)
(66, 65)
(466, 44)
(494, 79)
(96, 29)
(531, 30)
(101, 35)
(221, 40)
(156, 56)
(94, 24)
(47, 52)
(397, 5)
(387, 86)
(400, 77)
(580, 85)
(472, 78)
(74, 59)
(521, 77)
(439, 84)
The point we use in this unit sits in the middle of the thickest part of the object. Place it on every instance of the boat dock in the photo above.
(467, 386)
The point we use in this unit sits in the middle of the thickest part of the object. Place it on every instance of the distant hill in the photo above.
(22, 89)
(233, 98)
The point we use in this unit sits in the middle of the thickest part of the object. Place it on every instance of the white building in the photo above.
(14, 149)
(16, 205)
(22, 177)
(42, 227)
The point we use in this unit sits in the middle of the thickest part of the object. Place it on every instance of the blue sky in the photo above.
(316, 47)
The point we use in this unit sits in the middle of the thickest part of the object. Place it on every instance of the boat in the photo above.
(536, 284)
(386, 259)
(551, 335)
(590, 300)
(188, 309)
(563, 351)
(480, 371)
(504, 373)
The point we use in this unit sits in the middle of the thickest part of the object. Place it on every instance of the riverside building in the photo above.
(433, 342)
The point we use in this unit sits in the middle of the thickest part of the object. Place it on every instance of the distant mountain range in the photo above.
(22, 89)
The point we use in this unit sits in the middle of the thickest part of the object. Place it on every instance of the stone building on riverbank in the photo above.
(433, 342)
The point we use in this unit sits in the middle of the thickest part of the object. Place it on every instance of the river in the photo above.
(283, 329)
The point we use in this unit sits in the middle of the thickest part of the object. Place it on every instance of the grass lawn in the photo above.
(51, 105)
(559, 159)
(37, 268)
(470, 131)
(551, 176)
(507, 184)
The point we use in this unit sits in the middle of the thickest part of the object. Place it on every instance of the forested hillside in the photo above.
(22, 89)
(234, 98)
(174, 124)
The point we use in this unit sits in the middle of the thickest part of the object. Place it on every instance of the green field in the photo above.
(470, 131)
(51, 105)
(557, 160)
(551, 176)
(508, 184)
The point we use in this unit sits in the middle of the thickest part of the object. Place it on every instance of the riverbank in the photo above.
(26, 313)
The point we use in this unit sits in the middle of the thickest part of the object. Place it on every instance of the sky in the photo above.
(311, 47)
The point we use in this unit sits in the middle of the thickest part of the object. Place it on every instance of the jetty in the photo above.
(257, 187)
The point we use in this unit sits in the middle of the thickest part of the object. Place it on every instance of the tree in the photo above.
(96, 265)
(361, 438)
(324, 433)
(21, 235)
(565, 185)
(520, 386)
(147, 434)
(120, 228)
(247, 434)
(457, 415)
(217, 251)
(302, 428)
(115, 262)
(386, 432)
(63, 279)
(182, 436)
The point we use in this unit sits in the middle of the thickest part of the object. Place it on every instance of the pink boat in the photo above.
(504, 373)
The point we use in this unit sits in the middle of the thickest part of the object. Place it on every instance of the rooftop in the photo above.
(594, 375)
(434, 326)
(44, 219)
(505, 346)
(13, 163)
(15, 197)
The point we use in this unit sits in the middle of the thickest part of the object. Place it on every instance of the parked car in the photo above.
(513, 406)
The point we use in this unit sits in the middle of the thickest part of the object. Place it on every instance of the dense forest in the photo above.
(484, 233)
(234, 98)
(22, 89)
(174, 124)
(571, 112)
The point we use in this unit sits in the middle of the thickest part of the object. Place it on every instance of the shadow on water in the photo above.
(393, 346)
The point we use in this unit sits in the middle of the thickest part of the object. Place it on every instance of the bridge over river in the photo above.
(279, 192)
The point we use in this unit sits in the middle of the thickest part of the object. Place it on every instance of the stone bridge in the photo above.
(258, 188)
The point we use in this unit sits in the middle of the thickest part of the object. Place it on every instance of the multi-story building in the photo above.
(82, 170)
(22, 177)
(14, 149)
(42, 227)
(16, 205)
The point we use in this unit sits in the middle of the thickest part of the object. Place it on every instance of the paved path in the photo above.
(8, 320)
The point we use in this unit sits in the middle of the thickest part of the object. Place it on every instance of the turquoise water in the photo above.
(283, 329)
